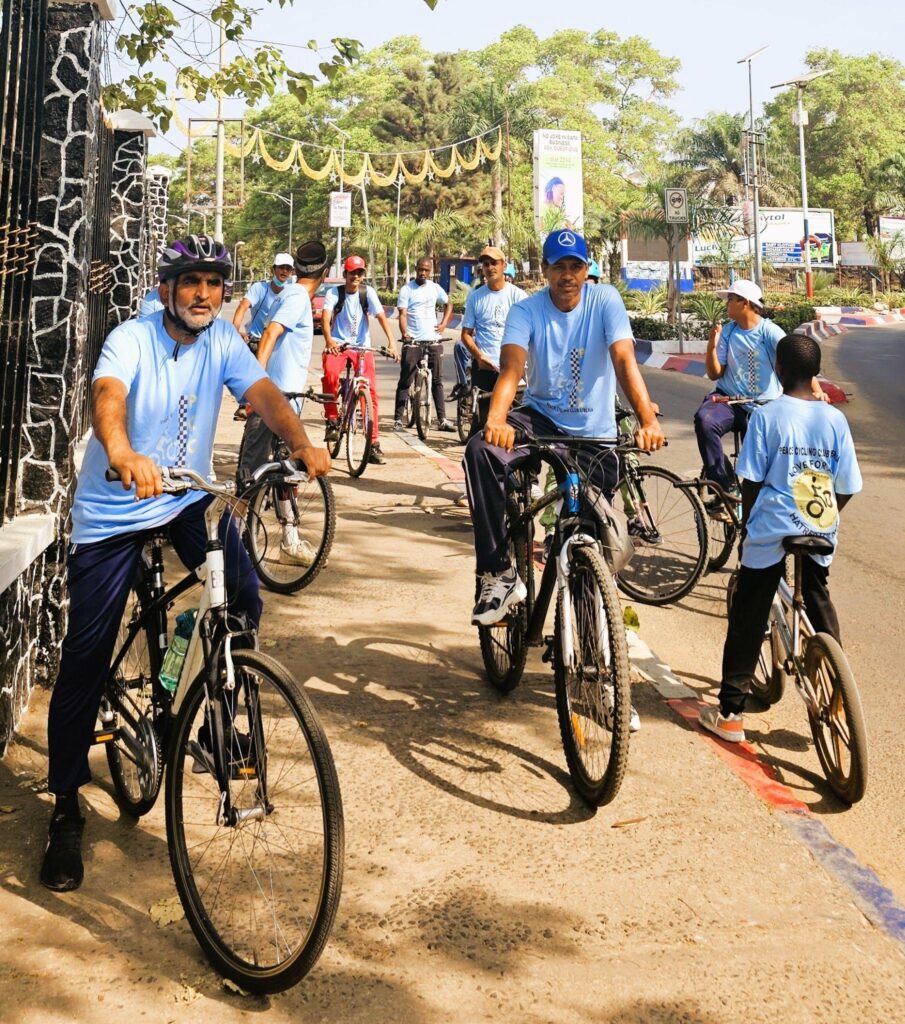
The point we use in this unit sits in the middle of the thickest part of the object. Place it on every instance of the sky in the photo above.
(708, 36)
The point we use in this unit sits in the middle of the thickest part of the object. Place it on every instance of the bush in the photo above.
(646, 302)
(649, 329)
(791, 315)
(706, 307)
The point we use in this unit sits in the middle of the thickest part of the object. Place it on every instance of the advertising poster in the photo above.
(340, 209)
(558, 182)
(782, 244)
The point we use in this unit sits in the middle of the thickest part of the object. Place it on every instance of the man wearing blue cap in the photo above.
(573, 344)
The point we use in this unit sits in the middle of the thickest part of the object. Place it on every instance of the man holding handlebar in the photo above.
(156, 393)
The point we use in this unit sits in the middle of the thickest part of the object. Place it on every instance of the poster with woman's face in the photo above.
(558, 184)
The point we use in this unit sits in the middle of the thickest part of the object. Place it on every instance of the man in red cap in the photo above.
(345, 322)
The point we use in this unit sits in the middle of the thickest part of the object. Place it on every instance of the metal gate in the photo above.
(100, 274)
(22, 55)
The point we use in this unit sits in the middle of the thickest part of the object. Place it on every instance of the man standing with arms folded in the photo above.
(345, 322)
(417, 304)
(285, 353)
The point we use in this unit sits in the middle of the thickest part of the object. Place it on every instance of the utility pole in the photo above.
(399, 182)
(221, 149)
(508, 191)
(755, 183)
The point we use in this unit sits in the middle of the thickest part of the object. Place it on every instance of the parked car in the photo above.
(317, 303)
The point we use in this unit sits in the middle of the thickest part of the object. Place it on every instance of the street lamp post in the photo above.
(751, 149)
(342, 166)
(399, 183)
(288, 201)
(801, 119)
(236, 248)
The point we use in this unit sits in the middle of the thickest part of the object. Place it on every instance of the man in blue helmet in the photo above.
(156, 394)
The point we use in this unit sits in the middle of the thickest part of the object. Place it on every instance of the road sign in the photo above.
(340, 209)
(676, 206)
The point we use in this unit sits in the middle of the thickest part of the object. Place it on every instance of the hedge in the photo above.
(791, 315)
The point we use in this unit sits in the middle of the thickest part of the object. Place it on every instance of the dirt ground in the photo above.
(477, 886)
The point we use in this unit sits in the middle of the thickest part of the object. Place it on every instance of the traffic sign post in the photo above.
(676, 206)
(676, 202)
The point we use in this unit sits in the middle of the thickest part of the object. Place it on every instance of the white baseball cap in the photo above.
(744, 290)
(283, 259)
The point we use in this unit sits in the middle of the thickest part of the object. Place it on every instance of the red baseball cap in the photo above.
(354, 263)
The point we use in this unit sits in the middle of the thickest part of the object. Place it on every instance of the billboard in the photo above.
(781, 239)
(558, 181)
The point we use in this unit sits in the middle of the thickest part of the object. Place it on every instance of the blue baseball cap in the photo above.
(560, 244)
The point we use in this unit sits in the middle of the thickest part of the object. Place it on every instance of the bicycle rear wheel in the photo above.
(721, 540)
(593, 692)
(289, 532)
(463, 416)
(422, 402)
(135, 755)
(358, 433)
(668, 528)
(504, 646)
(840, 735)
(260, 889)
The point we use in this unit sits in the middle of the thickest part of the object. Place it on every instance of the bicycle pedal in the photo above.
(103, 736)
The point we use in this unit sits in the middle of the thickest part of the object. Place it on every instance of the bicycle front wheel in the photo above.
(463, 417)
(358, 433)
(134, 755)
(593, 690)
(422, 408)
(840, 735)
(668, 528)
(289, 532)
(260, 884)
(722, 536)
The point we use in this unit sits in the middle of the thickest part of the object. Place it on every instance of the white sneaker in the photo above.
(299, 552)
(498, 595)
(730, 728)
(609, 707)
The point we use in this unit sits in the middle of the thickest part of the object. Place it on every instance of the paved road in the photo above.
(868, 583)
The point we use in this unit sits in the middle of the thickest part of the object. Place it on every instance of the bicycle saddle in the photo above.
(808, 545)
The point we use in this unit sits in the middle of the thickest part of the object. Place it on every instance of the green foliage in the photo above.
(646, 302)
(791, 315)
(706, 307)
(649, 329)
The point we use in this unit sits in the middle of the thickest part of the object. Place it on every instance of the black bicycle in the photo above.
(588, 646)
(253, 810)
(289, 527)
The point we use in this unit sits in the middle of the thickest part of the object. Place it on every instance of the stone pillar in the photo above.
(158, 190)
(128, 213)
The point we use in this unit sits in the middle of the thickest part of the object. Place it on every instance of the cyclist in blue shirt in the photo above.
(799, 470)
(150, 304)
(261, 298)
(156, 395)
(577, 343)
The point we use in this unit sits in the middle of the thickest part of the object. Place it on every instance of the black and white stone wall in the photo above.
(127, 225)
(157, 198)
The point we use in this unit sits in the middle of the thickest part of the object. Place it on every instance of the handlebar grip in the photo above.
(111, 474)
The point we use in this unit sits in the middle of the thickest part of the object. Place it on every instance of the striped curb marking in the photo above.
(877, 902)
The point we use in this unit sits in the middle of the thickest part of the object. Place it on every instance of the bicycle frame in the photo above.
(793, 636)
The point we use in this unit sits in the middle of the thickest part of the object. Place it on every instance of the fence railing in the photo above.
(22, 41)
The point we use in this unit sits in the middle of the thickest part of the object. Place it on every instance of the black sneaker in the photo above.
(331, 433)
(377, 457)
(457, 392)
(62, 869)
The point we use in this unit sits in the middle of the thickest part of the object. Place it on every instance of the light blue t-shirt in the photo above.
(150, 304)
(171, 416)
(570, 376)
(350, 327)
(804, 454)
(749, 357)
(485, 314)
(262, 299)
(420, 303)
(287, 366)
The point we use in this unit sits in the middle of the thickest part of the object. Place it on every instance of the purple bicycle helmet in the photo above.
(195, 252)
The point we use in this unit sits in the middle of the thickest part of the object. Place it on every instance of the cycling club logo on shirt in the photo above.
(812, 492)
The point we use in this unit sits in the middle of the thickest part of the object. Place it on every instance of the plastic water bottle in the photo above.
(569, 488)
(173, 660)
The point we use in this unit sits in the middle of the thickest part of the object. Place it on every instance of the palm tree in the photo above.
(886, 186)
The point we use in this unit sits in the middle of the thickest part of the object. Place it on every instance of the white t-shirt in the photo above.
(420, 303)
(350, 327)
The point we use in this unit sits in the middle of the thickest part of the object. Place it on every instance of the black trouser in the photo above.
(748, 619)
(487, 469)
(711, 421)
(411, 356)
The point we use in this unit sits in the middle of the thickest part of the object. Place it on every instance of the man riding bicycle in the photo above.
(156, 395)
(261, 298)
(417, 304)
(578, 343)
(740, 358)
(346, 322)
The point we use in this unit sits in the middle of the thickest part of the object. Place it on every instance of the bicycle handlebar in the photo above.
(738, 400)
(178, 479)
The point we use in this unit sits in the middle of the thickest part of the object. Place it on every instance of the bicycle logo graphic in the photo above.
(813, 494)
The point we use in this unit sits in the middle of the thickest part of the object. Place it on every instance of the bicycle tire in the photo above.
(721, 540)
(671, 545)
(768, 683)
(136, 783)
(408, 412)
(595, 736)
(313, 508)
(504, 647)
(464, 417)
(286, 879)
(833, 681)
(422, 404)
(358, 433)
